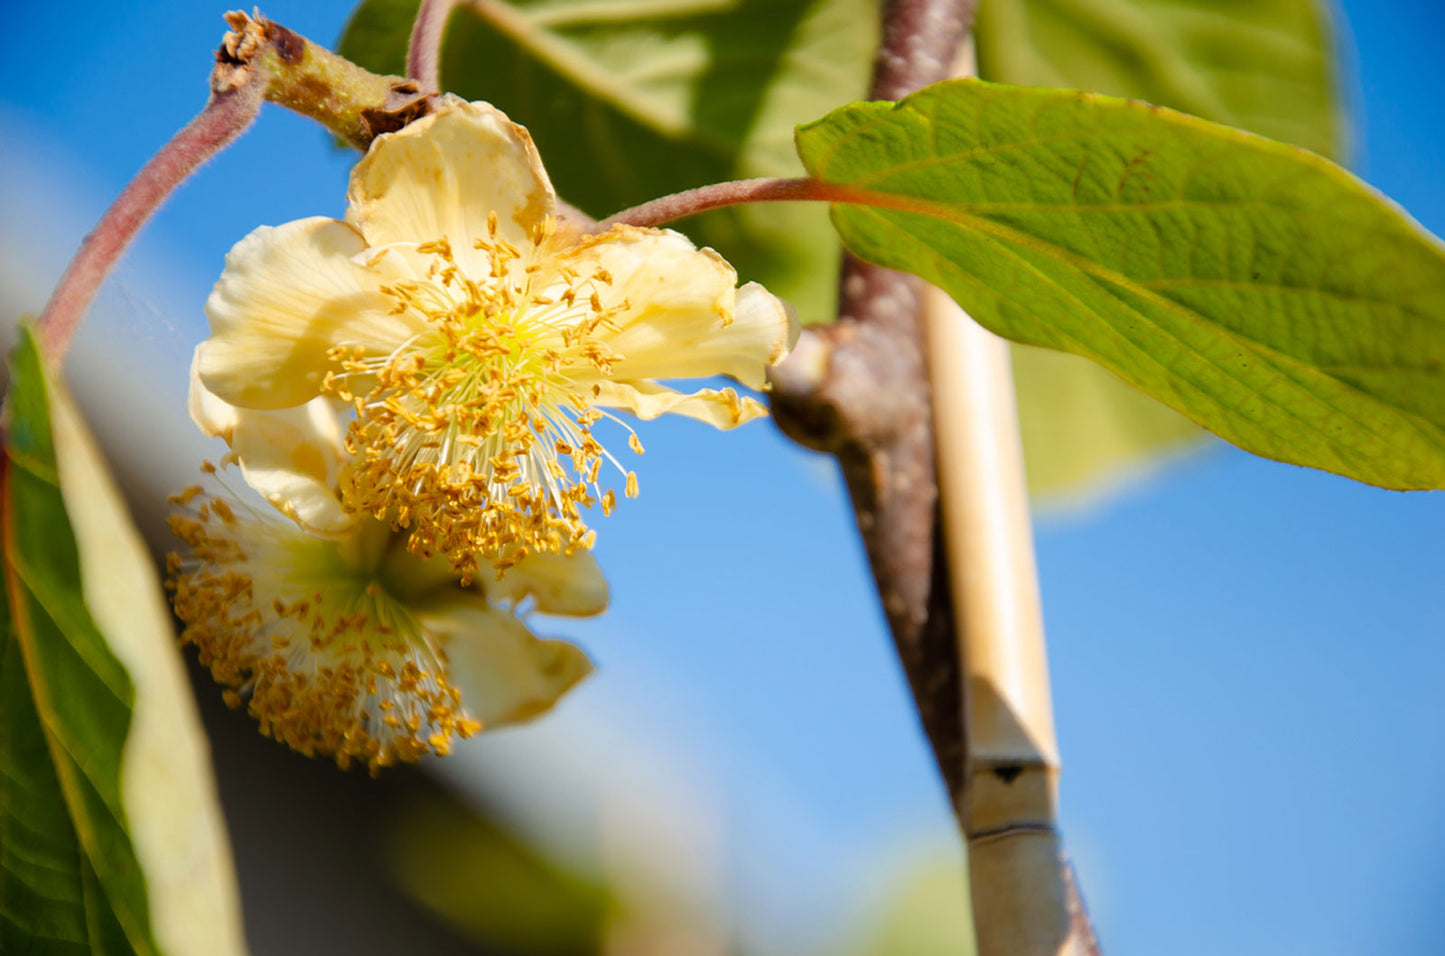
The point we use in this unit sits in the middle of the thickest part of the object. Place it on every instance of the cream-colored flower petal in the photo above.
(559, 584)
(287, 296)
(291, 457)
(505, 674)
(443, 175)
(769, 318)
(685, 316)
(723, 408)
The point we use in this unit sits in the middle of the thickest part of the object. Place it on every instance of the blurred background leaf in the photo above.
(48, 889)
(1268, 66)
(491, 885)
(921, 915)
(124, 781)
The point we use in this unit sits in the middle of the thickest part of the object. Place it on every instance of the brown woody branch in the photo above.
(859, 389)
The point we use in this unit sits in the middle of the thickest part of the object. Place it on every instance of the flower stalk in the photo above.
(258, 60)
(224, 118)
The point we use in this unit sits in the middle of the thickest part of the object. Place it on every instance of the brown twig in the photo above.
(859, 389)
(862, 390)
(424, 49)
(226, 115)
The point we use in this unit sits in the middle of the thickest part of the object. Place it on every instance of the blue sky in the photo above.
(1247, 657)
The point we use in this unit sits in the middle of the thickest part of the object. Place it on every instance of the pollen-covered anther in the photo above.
(327, 664)
(475, 435)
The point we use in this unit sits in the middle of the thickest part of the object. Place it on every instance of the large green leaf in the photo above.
(112, 834)
(1255, 287)
(628, 101)
(1263, 65)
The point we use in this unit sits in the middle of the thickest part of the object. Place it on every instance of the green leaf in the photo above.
(113, 840)
(1255, 287)
(1263, 65)
(50, 901)
(631, 99)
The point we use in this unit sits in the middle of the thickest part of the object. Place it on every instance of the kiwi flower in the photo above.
(349, 645)
(478, 339)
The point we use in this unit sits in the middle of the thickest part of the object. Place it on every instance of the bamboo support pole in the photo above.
(1021, 891)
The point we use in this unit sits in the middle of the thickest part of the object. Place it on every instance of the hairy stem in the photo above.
(693, 201)
(424, 49)
(259, 60)
(225, 117)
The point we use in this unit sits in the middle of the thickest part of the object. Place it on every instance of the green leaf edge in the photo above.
(58, 621)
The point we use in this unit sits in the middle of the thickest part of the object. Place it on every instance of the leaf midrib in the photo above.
(1426, 427)
(1342, 452)
(963, 214)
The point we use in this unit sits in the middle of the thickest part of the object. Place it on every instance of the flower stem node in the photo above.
(480, 344)
(355, 104)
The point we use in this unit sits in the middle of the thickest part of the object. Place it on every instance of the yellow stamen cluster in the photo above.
(330, 662)
(460, 433)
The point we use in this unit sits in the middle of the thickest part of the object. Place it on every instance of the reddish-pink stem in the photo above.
(424, 50)
(226, 115)
(737, 192)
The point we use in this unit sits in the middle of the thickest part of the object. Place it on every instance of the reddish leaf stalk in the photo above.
(693, 201)
(224, 118)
